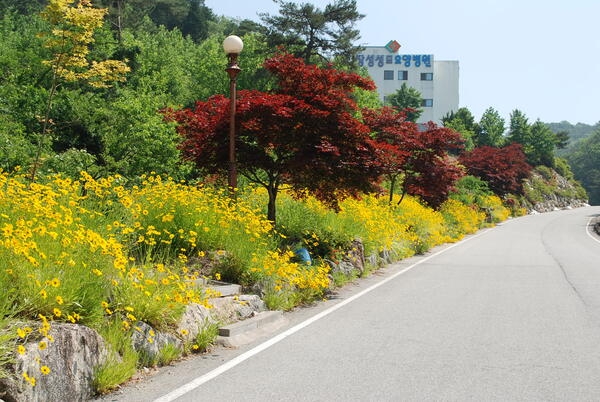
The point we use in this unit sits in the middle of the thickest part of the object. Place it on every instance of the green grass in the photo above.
(121, 364)
(206, 337)
(168, 354)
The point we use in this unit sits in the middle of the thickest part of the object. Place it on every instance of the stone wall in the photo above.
(74, 351)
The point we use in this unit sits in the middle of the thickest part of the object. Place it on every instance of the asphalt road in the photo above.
(509, 314)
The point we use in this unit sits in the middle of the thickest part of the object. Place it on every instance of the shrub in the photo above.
(461, 219)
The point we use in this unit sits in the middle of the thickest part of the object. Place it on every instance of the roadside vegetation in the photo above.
(104, 255)
(113, 156)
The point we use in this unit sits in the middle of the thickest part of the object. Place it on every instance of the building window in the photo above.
(426, 76)
(402, 75)
(388, 74)
(427, 103)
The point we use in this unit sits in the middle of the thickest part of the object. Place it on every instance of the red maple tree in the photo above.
(504, 169)
(303, 134)
(390, 130)
(419, 159)
(432, 170)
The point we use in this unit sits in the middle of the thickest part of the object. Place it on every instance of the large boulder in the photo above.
(71, 357)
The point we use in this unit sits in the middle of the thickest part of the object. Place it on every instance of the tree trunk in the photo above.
(271, 209)
(392, 184)
(401, 197)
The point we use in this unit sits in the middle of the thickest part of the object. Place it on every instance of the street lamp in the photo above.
(233, 46)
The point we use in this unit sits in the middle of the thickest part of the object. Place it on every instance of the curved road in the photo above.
(510, 314)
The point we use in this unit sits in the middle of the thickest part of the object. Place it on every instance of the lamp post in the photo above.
(233, 46)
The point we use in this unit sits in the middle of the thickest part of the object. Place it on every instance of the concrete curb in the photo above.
(246, 331)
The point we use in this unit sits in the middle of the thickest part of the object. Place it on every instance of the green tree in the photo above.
(314, 34)
(24, 7)
(21, 96)
(191, 17)
(519, 129)
(406, 99)
(196, 23)
(543, 142)
(585, 162)
(537, 139)
(562, 139)
(491, 129)
(465, 116)
(135, 137)
(463, 121)
(69, 41)
(15, 146)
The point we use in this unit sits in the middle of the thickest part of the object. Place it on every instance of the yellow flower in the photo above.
(21, 333)
(218, 276)
(57, 312)
(59, 300)
(30, 380)
(45, 370)
(42, 345)
(55, 282)
(97, 272)
(104, 304)
(43, 293)
(21, 349)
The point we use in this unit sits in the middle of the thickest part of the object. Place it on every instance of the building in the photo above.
(437, 81)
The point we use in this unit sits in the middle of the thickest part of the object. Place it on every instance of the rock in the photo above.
(234, 308)
(149, 342)
(353, 261)
(557, 199)
(77, 350)
(194, 319)
(253, 302)
(71, 358)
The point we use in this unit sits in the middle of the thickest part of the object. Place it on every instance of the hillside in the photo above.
(576, 131)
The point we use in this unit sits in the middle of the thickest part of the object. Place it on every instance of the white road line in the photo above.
(589, 232)
(198, 381)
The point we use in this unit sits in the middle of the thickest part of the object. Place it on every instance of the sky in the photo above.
(539, 56)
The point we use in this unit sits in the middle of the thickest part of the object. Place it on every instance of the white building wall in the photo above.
(437, 81)
(445, 79)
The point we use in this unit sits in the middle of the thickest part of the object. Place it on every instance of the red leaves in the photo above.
(503, 168)
(325, 88)
(304, 134)
(204, 132)
(420, 157)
